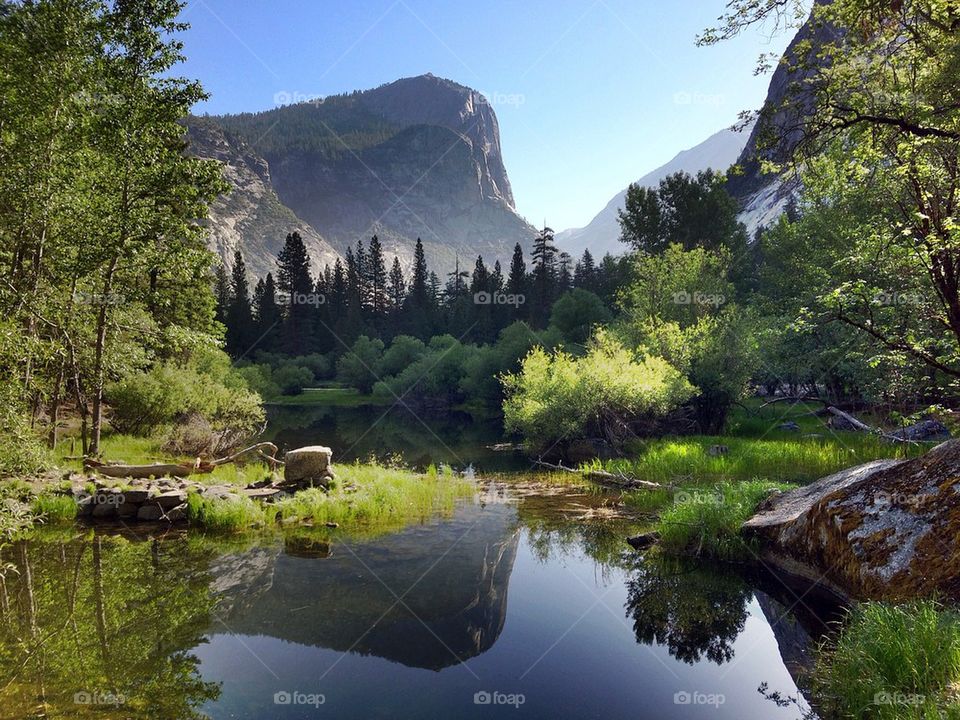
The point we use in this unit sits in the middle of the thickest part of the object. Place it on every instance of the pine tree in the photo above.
(543, 277)
(480, 281)
(293, 278)
(564, 276)
(221, 288)
(377, 274)
(397, 285)
(420, 279)
(585, 275)
(517, 284)
(239, 313)
(267, 312)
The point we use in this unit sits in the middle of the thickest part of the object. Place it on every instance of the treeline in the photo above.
(296, 314)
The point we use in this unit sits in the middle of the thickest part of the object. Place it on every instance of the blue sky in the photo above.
(590, 94)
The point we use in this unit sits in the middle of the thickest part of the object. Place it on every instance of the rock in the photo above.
(127, 510)
(150, 512)
(643, 540)
(923, 431)
(136, 496)
(789, 427)
(307, 466)
(177, 513)
(170, 498)
(262, 493)
(85, 506)
(718, 450)
(888, 529)
(104, 510)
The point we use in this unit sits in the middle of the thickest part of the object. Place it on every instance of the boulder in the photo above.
(923, 431)
(151, 512)
(888, 529)
(307, 466)
(170, 498)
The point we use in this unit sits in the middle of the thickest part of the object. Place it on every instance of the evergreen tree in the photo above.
(239, 315)
(543, 277)
(564, 275)
(221, 288)
(420, 279)
(585, 276)
(377, 275)
(267, 313)
(293, 278)
(397, 285)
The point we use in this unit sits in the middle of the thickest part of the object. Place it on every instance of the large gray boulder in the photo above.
(308, 466)
(886, 529)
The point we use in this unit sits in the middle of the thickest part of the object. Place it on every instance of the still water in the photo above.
(525, 603)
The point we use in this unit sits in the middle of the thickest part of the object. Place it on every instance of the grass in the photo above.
(893, 662)
(706, 523)
(365, 499)
(687, 460)
(332, 396)
(54, 508)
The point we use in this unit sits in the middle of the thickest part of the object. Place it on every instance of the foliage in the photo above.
(892, 662)
(576, 313)
(53, 507)
(558, 397)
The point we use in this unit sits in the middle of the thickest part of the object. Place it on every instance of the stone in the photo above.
(643, 540)
(150, 512)
(718, 450)
(170, 498)
(127, 510)
(789, 426)
(104, 510)
(888, 529)
(177, 514)
(923, 431)
(307, 466)
(136, 496)
(85, 506)
(262, 493)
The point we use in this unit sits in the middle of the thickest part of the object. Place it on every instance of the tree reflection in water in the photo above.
(94, 620)
(695, 611)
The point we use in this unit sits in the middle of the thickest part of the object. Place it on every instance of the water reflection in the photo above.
(451, 437)
(429, 596)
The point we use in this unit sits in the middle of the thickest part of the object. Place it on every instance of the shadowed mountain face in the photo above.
(452, 577)
(419, 157)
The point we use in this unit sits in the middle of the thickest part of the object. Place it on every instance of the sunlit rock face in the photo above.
(429, 596)
(250, 217)
(417, 158)
(886, 529)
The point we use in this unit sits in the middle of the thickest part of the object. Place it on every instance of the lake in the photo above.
(525, 602)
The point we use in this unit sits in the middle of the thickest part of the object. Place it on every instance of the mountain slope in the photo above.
(419, 157)
(601, 235)
(250, 217)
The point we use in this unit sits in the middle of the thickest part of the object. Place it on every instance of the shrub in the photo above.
(357, 367)
(291, 379)
(559, 397)
(576, 313)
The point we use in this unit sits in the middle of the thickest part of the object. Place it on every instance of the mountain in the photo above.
(419, 157)
(763, 197)
(250, 217)
(601, 235)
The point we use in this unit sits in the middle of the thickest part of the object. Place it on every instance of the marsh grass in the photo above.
(892, 662)
(233, 515)
(54, 508)
(706, 523)
(687, 460)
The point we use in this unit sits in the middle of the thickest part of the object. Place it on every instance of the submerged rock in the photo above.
(923, 431)
(885, 529)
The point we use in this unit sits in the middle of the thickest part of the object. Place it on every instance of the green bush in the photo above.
(892, 662)
(576, 314)
(558, 397)
(291, 379)
(205, 385)
(357, 367)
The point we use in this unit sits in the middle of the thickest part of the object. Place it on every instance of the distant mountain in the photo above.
(601, 235)
(250, 217)
(419, 157)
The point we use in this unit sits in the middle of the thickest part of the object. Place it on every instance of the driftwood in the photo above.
(849, 419)
(198, 467)
(603, 477)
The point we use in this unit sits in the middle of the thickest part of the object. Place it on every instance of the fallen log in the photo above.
(849, 419)
(603, 477)
(198, 467)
